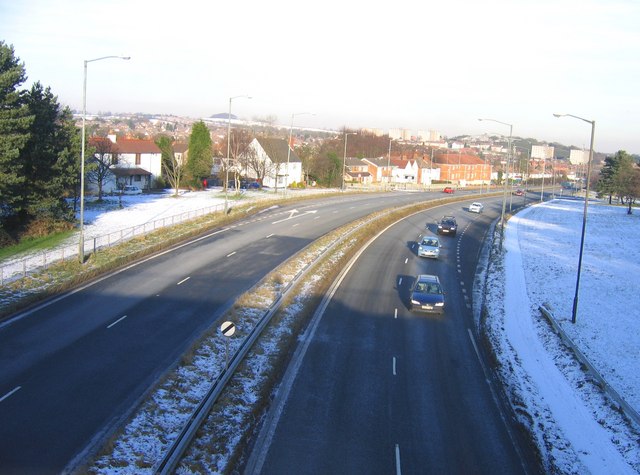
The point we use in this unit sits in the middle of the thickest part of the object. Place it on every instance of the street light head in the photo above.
(126, 57)
(559, 115)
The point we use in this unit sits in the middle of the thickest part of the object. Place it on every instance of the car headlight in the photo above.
(439, 304)
(415, 302)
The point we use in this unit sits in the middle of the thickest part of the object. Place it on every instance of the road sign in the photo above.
(228, 328)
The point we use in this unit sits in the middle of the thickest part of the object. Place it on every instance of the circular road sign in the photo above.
(228, 328)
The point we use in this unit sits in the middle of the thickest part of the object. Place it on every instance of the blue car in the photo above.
(427, 295)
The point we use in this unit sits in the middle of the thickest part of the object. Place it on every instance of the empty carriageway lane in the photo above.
(380, 389)
(74, 367)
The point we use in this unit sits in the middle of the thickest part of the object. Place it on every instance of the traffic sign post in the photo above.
(227, 329)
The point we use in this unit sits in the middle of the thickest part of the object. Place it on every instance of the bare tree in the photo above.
(260, 167)
(240, 140)
(171, 166)
(97, 168)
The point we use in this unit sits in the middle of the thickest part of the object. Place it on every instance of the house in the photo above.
(404, 171)
(427, 172)
(271, 161)
(380, 168)
(462, 168)
(133, 162)
(357, 171)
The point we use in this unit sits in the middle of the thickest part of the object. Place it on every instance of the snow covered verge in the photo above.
(222, 441)
(576, 427)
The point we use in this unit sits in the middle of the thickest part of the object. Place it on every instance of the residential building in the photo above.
(272, 161)
(543, 152)
(578, 157)
(357, 171)
(462, 168)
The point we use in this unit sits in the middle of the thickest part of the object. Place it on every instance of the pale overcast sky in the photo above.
(412, 64)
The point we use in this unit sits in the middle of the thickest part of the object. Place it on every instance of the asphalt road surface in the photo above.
(72, 369)
(377, 389)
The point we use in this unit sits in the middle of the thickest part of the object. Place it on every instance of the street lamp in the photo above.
(344, 161)
(84, 118)
(389, 164)
(574, 312)
(286, 182)
(226, 175)
(527, 172)
(504, 190)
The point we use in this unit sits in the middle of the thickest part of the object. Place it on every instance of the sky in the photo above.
(428, 65)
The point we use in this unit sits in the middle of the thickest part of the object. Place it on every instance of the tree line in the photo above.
(39, 156)
(620, 179)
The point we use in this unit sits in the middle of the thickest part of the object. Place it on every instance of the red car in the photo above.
(448, 189)
(518, 192)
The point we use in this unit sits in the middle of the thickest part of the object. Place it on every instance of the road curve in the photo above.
(73, 368)
(380, 389)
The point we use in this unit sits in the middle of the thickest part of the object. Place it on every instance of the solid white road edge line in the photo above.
(231, 254)
(14, 390)
(183, 281)
(398, 470)
(473, 340)
(117, 321)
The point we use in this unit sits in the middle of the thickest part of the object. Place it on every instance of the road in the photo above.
(73, 368)
(379, 389)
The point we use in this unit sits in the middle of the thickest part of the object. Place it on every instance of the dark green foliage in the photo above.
(15, 120)
(39, 150)
(200, 157)
(615, 175)
(48, 158)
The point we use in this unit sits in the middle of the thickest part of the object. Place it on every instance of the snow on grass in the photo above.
(577, 427)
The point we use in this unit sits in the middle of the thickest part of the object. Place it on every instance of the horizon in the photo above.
(419, 67)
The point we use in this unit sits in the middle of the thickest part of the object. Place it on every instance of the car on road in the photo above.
(131, 190)
(448, 225)
(518, 192)
(429, 247)
(476, 207)
(427, 295)
(448, 189)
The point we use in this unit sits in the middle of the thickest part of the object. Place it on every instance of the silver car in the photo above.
(429, 247)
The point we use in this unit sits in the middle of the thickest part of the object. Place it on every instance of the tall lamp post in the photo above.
(574, 312)
(344, 160)
(84, 118)
(527, 172)
(504, 190)
(286, 182)
(226, 174)
(389, 164)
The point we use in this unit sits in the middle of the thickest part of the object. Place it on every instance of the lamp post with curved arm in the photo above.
(344, 160)
(504, 191)
(226, 174)
(286, 182)
(574, 311)
(84, 118)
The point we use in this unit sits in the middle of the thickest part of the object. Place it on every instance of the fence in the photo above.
(19, 268)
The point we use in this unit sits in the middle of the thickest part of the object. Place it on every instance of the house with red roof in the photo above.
(133, 161)
(462, 168)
